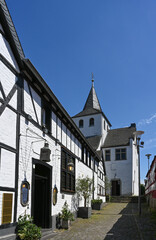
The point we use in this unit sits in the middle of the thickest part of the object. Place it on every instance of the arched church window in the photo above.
(91, 122)
(81, 123)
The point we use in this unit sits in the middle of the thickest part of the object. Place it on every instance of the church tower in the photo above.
(92, 121)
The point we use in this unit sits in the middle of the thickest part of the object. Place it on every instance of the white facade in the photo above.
(125, 170)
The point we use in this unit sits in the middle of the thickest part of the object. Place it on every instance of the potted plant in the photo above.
(84, 188)
(96, 204)
(66, 216)
(26, 230)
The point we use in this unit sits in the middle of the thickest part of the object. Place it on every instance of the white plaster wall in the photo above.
(37, 103)
(7, 169)
(83, 171)
(28, 105)
(8, 79)
(58, 129)
(53, 123)
(121, 169)
(68, 139)
(6, 51)
(64, 138)
(8, 127)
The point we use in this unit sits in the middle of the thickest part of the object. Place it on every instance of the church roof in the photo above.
(92, 100)
(92, 105)
(94, 141)
(119, 137)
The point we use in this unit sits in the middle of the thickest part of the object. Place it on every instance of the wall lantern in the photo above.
(70, 166)
(55, 191)
(25, 186)
(45, 153)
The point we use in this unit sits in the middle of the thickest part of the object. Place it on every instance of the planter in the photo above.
(84, 212)
(65, 224)
(97, 206)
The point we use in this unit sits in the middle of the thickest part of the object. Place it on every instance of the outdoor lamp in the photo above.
(45, 153)
(138, 145)
(70, 166)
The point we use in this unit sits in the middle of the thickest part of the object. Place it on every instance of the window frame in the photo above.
(46, 116)
(69, 185)
(81, 123)
(91, 122)
(120, 152)
(106, 155)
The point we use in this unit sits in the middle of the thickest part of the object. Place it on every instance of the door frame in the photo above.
(41, 163)
(115, 179)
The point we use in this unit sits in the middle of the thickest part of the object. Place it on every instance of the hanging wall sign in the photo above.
(25, 186)
(55, 191)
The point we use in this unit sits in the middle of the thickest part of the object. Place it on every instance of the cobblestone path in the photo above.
(116, 221)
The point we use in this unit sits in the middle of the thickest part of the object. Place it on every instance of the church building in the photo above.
(117, 146)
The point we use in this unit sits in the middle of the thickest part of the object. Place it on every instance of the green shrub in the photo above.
(97, 201)
(26, 229)
(66, 214)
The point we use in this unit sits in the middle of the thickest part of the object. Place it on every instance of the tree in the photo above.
(84, 188)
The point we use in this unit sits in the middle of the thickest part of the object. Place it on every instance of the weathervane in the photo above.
(92, 80)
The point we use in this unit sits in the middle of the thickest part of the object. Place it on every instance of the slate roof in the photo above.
(92, 106)
(119, 137)
(10, 30)
(94, 141)
(92, 100)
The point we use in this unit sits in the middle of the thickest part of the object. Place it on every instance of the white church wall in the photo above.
(120, 169)
(90, 130)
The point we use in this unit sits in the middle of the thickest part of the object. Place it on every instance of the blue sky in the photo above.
(116, 40)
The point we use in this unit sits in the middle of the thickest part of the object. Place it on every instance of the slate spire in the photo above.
(92, 100)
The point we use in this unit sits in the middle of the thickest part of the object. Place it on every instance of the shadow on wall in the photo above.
(74, 203)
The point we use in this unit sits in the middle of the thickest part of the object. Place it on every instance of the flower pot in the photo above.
(65, 224)
(84, 212)
(97, 206)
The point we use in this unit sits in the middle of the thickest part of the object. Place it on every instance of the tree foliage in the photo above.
(84, 188)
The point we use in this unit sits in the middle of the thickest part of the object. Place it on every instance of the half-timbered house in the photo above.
(39, 141)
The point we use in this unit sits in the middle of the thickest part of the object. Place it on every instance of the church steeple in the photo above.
(92, 100)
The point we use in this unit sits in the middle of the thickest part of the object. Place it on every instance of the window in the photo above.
(7, 208)
(81, 123)
(46, 116)
(107, 155)
(91, 122)
(120, 154)
(67, 177)
(104, 124)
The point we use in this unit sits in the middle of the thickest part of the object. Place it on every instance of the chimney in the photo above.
(133, 125)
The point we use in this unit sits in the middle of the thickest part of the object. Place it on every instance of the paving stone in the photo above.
(116, 221)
